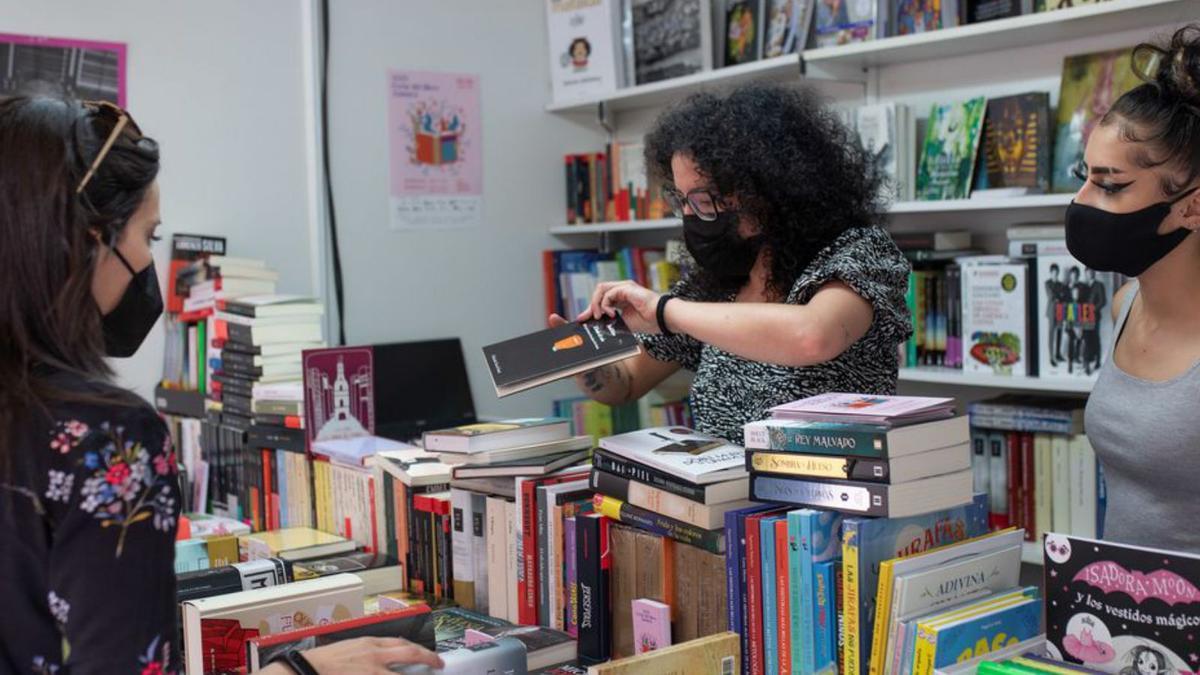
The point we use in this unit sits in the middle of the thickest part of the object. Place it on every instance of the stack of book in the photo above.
(663, 494)
(887, 456)
(1030, 455)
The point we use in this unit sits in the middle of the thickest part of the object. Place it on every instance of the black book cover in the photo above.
(552, 354)
(987, 10)
(606, 461)
(239, 347)
(238, 370)
(1122, 608)
(276, 438)
(593, 564)
(236, 357)
(1016, 141)
(179, 402)
(610, 484)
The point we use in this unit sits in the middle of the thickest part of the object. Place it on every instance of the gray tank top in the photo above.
(1147, 436)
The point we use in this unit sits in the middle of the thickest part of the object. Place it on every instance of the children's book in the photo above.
(948, 155)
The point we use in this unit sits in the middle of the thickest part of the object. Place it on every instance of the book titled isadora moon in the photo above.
(555, 353)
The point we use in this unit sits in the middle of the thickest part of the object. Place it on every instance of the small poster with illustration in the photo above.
(436, 153)
(1122, 609)
(339, 398)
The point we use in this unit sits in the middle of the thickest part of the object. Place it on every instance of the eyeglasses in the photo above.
(703, 202)
(120, 119)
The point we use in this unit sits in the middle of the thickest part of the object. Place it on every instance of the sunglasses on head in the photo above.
(120, 120)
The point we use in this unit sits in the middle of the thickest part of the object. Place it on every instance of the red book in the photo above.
(371, 487)
(1027, 485)
(754, 586)
(196, 316)
(527, 584)
(783, 612)
(1015, 497)
(549, 282)
(268, 520)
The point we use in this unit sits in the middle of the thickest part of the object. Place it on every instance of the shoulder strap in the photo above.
(1123, 316)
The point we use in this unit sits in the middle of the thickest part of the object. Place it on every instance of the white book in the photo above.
(708, 517)
(1072, 313)
(998, 473)
(1043, 485)
(271, 610)
(499, 547)
(980, 461)
(413, 467)
(585, 57)
(1060, 491)
(1083, 487)
(511, 559)
(693, 456)
(462, 546)
(996, 319)
(356, 451)
(879, 131)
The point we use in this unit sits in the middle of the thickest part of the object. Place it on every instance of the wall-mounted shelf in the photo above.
(953, 376)
(623, 226)
(983, 204)
(1013, 33)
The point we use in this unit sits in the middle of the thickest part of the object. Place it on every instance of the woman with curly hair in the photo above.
(795, 290)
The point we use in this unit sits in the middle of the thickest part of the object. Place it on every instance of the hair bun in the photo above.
(1174, 66)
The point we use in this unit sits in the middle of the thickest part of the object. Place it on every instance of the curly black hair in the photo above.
(794, 167)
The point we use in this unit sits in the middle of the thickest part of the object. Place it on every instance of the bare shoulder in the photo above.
(1119, 299)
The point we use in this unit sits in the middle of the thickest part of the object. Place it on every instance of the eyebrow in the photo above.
(1109, 170)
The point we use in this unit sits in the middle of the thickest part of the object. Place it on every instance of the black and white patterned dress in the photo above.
(729, 391)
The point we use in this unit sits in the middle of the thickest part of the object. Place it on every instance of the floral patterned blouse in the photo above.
(87, 519)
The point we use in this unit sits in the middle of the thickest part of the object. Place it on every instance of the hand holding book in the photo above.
(637, 305)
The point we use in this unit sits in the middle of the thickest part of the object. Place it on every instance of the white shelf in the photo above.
(953, 376)
(621, 226)
(665, 91)
(1013, 33)
(1031, 553)
(983, 204)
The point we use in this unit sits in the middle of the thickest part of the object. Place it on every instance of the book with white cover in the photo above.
(866, 408)
(585, 61)
(355, 451)
(414, 468)
(693, 456)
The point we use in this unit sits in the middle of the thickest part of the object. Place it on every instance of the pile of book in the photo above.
(1030, 455)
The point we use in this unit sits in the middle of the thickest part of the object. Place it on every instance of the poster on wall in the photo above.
(435, 150)
(81, 69)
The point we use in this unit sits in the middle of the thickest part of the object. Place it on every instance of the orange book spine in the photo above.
(783, 610)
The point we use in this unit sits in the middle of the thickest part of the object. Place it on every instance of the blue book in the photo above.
(826, 613)
(191, 555)
(868, 542)
(800, 623)
(976, 634)
(821, 534)
(735, 573)
(281, 487)
(769, 601)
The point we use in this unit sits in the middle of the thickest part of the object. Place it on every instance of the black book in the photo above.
(275, 438)
(555, 353)
(712, 493)
(987, 10)
(179, 402)
(242, 576)
(593, 565)
(236, 357)
(866, 499)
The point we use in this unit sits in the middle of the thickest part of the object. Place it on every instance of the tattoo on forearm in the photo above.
(611, 378)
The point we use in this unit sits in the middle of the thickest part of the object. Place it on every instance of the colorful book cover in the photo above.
(786, 26)
(690, 50)
(868, 542)
(820, 533)
(1016, 142)
(769, 588)
(742, 38)
(972, 636)
(651, 625)
(996, 319)
(921, 16)
(1090, 84)
(1122, 608)
(916, 635)
(840, 22)
(825, 615)
(690, 455)
(736, 573)
(339, 393)
(584, 59)
(948, 156)
(801, 623)
(1074, 302)
(783, 595)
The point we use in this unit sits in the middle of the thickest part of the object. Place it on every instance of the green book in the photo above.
(948, 156)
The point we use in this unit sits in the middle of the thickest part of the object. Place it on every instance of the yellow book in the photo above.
(718, 654)
(293, 543)
(816, 466)
(852, 646)
(927, 629)
(319, 495)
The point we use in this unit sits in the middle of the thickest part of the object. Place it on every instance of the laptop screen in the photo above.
(420, 386)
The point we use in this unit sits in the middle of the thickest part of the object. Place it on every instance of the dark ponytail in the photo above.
(1163, 114)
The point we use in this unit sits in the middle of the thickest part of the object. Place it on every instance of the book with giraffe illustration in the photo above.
(555, 353)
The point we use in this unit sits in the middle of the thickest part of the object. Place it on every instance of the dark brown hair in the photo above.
(49, 239)
(1163, 114)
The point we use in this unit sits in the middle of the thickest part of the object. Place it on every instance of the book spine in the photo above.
(1028, 485)
(633, 471)
(808, 653)
(796, 550)
(733, 567)
(862, 499)
(712, 541)
(765, 435)
(826, 638)
(1013, 455)
(754, 595)
(838, 611)
(594, 616)
(461, 545)
(479, 552)
(926, 648)
(850, 613)
(783, 595)
(543, 563)
(610, 484)
(818, 466)
(571, 577)
(770, 601)
(743, 625)
(529, 599)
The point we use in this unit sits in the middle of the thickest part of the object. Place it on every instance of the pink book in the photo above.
(866, 409)
(651, 625)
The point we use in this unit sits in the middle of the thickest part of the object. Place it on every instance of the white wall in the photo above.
(220, 85)
(482, 284)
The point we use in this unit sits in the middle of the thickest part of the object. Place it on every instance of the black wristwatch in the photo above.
(660, 313)
(295, 660)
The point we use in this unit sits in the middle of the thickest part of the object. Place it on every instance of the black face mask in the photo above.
(1128, 243)
(126, 327)
(717, 247)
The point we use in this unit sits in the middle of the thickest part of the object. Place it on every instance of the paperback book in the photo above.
(948, 155)
(555, 353)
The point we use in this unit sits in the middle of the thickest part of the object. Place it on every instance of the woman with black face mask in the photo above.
(794, 290)
(1136, 214)
(89, 494)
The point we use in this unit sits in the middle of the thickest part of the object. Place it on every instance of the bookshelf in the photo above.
(1005, 34)
(618, 226)
(955, 377)
(1031, 553)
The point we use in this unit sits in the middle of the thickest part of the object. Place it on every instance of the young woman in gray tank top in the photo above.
(1135, 215)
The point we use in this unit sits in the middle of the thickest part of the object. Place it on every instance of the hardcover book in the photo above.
(717, 653)
(555, 353)
(975, 630)
(1073, 313)
(1016, 142)
(690, 455)
(866, 409)
(987, 10)
(668, 38)
(948, 156)
(996, 317)
(840, 22)
(922, 16)
(1121, 609)
(867, 499)
(854, 440)
(585, 59)
(786, 30)
(295, 543)
(743, 37)
(868, 542)
(339, 400)
(1091, 83)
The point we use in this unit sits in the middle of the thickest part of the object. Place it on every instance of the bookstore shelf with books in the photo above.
(956, 377)
(654, 225)
(1015, 32)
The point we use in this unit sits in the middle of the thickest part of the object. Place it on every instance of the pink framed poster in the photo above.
(435, 150)
(86, 70)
